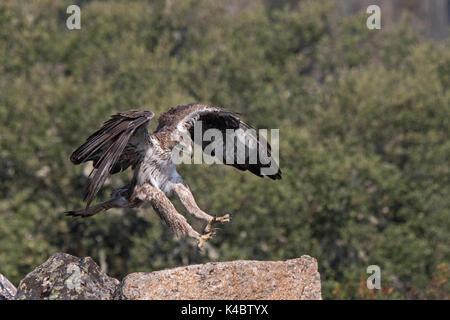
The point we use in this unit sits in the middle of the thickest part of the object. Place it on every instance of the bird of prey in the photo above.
(124, 141)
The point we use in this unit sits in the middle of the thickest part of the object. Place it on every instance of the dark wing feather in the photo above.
(245, 135)
(223, 119)
(110, 148)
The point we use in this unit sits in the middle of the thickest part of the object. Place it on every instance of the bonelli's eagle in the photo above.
(124, 141)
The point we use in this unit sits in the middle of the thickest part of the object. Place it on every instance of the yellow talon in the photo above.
(223, 219)
(205, 237)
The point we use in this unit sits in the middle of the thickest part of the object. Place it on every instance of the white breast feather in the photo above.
(157, 168)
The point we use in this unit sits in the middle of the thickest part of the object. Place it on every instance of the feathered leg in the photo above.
(186, 198)
(167, 213)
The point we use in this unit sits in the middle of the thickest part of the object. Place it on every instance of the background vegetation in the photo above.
(364, 119)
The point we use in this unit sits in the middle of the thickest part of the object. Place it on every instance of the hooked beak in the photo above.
(191, 151)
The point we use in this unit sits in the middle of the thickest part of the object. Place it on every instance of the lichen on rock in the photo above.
(65, 277)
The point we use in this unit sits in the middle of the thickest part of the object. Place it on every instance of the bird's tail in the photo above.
(90, 211)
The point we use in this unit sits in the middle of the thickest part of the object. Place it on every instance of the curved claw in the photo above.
(205, 237)
(223, 219)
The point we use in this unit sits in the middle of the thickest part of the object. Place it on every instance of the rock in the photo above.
(7, 289)
(292, 279)
(65, 277)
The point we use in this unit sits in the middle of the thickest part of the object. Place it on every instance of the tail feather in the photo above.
(90, 211)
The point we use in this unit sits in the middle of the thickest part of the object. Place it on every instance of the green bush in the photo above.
(364, 118)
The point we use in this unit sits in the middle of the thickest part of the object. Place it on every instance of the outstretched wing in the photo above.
(248, 150)
(117, 145)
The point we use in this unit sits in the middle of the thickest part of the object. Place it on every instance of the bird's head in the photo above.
(186, 146)
(182, 148)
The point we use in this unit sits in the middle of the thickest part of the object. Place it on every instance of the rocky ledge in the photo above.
(64, 277)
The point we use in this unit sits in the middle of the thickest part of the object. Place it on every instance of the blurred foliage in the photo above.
(364, 118)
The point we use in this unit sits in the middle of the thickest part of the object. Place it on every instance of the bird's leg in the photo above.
(186, 198)
(167, 212)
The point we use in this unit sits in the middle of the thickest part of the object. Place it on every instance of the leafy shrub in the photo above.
(363, 118)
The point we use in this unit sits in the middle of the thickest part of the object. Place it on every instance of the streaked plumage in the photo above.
(124, 141)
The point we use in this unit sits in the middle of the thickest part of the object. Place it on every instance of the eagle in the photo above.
(124, 141)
